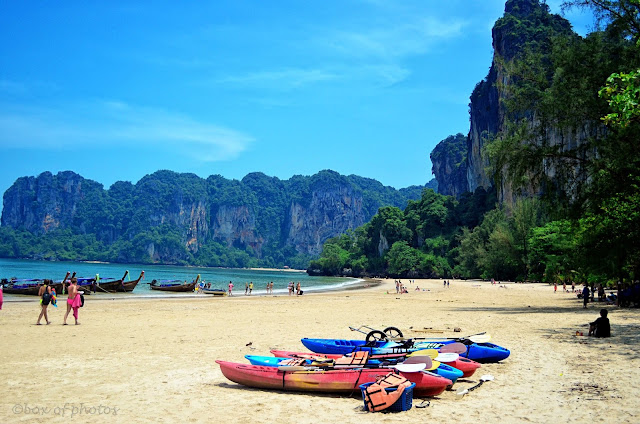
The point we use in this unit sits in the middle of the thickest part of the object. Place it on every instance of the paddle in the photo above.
(295, 368)
(447, 357)
(431, 353)
(404, 367)
(480, 338)
(430, 364)
(455, 347)
(486, 377)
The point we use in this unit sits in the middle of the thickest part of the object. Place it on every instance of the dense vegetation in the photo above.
(155, 219)
(578, 213)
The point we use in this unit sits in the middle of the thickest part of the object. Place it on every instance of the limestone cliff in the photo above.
(174, 218)
(331, 211)
(449, 159)
(525, 22)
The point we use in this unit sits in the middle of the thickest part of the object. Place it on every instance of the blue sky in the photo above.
(115, 90)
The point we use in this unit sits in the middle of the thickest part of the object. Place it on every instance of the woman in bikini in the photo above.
(45, 297)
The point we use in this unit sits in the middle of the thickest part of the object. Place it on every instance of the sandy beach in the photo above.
(152, 360)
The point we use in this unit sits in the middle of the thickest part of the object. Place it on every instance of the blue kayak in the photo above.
(443, 370)
(480, 352)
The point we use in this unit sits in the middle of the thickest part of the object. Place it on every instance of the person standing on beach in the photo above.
(555, 287)
(1, 295)
(290, 288)
(246, 288)
(250, 287)
(585, 296)
(298, 290)
(73, 301)
(45, 297)
(230, 288)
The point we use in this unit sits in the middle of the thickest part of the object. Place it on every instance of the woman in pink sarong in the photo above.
(1, 296)
(73, 301)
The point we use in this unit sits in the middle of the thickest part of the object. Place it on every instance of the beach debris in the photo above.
(486, 377)
(593, 391)
(249, 344)
(457, 330)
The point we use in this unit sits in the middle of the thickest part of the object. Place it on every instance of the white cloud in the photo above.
(392, 42)
(114, 123)
(284, 78)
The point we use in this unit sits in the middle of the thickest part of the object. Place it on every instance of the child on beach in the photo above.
(601, 326)
(230, 288)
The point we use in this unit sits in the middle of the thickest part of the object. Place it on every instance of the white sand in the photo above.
(153, 360)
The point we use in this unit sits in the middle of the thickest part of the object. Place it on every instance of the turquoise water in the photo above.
(218, 277)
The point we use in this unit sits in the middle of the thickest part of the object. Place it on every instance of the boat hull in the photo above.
(332, 381)
(181, 288)
(479, 352)
(214, 292)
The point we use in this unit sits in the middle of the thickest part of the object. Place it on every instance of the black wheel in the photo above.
(392, 332)
(375, 336)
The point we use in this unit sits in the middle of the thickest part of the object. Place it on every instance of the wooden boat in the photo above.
(214, 292)
(174, 285)
(84, 284)
(128, 286)
(21, 286)
(109, 285)
(331, 381)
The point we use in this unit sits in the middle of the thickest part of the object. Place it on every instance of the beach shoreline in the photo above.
(154, 360)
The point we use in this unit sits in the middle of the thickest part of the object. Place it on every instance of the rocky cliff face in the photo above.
(47, 202)
(524, 22)
(167, 217)
(449, 159)
(332, 211)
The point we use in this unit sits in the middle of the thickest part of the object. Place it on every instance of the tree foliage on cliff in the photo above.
(586, 90)
(170, 217)
(569, 144)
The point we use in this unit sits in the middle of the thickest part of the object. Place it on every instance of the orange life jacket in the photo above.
(377, 398)
(358, 359)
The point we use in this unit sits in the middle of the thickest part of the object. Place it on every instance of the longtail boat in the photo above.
(174, 285)
(110, 285)
(21, 286)
(128, 286)
(84, 284)
(214, 292)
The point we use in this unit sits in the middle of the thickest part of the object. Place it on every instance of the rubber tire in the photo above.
(376, 335)
(392, 332)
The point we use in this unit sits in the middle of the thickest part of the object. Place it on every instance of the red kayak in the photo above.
(467, 366)
(331, 381)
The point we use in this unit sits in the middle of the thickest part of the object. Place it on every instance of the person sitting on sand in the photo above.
(601, 326)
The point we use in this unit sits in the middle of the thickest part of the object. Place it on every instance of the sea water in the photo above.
(218, 277)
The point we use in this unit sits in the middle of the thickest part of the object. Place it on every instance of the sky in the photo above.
(115, 90)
